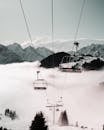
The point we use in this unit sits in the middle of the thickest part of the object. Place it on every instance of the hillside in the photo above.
(53, 60)
(86, 62)
(30, 54)
(16, 48)
(7, 56)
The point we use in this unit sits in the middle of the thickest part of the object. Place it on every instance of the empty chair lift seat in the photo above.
(40, 84)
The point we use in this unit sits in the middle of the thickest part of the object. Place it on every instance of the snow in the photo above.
(81, 93)
(68, 65)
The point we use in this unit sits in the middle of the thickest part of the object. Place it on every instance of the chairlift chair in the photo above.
(40, 84)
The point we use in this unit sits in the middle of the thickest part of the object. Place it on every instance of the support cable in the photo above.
(27, 26)
(52, 30)
(79, 21)
(26, 23)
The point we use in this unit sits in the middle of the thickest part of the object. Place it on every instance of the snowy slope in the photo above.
(81, 92)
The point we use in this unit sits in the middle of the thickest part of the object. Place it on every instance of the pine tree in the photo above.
(63, 120)
(103, 126)
(76, 124)
(39, 122)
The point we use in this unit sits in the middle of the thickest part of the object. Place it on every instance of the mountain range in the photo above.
(62, 45)
(15, 53)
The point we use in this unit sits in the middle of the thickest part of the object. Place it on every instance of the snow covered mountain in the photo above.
(32, 54)
(94, 50)
(57, 45)
(66, 46)
(86, 62)
(62, 45)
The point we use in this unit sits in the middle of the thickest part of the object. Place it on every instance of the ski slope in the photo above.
(81, 94)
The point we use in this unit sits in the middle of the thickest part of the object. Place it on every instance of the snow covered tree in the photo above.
(39, 122)
(76, 124)
(1, 128)
(103, 126)
(63, 120)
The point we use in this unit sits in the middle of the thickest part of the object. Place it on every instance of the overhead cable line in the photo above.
(27, 26)
(78, 25)
(52, 22)
(79, 21)
(26, 23)
(52, 30)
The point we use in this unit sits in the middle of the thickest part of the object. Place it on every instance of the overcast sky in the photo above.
(38, 12)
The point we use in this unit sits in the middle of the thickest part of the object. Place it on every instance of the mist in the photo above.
(82, 94)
